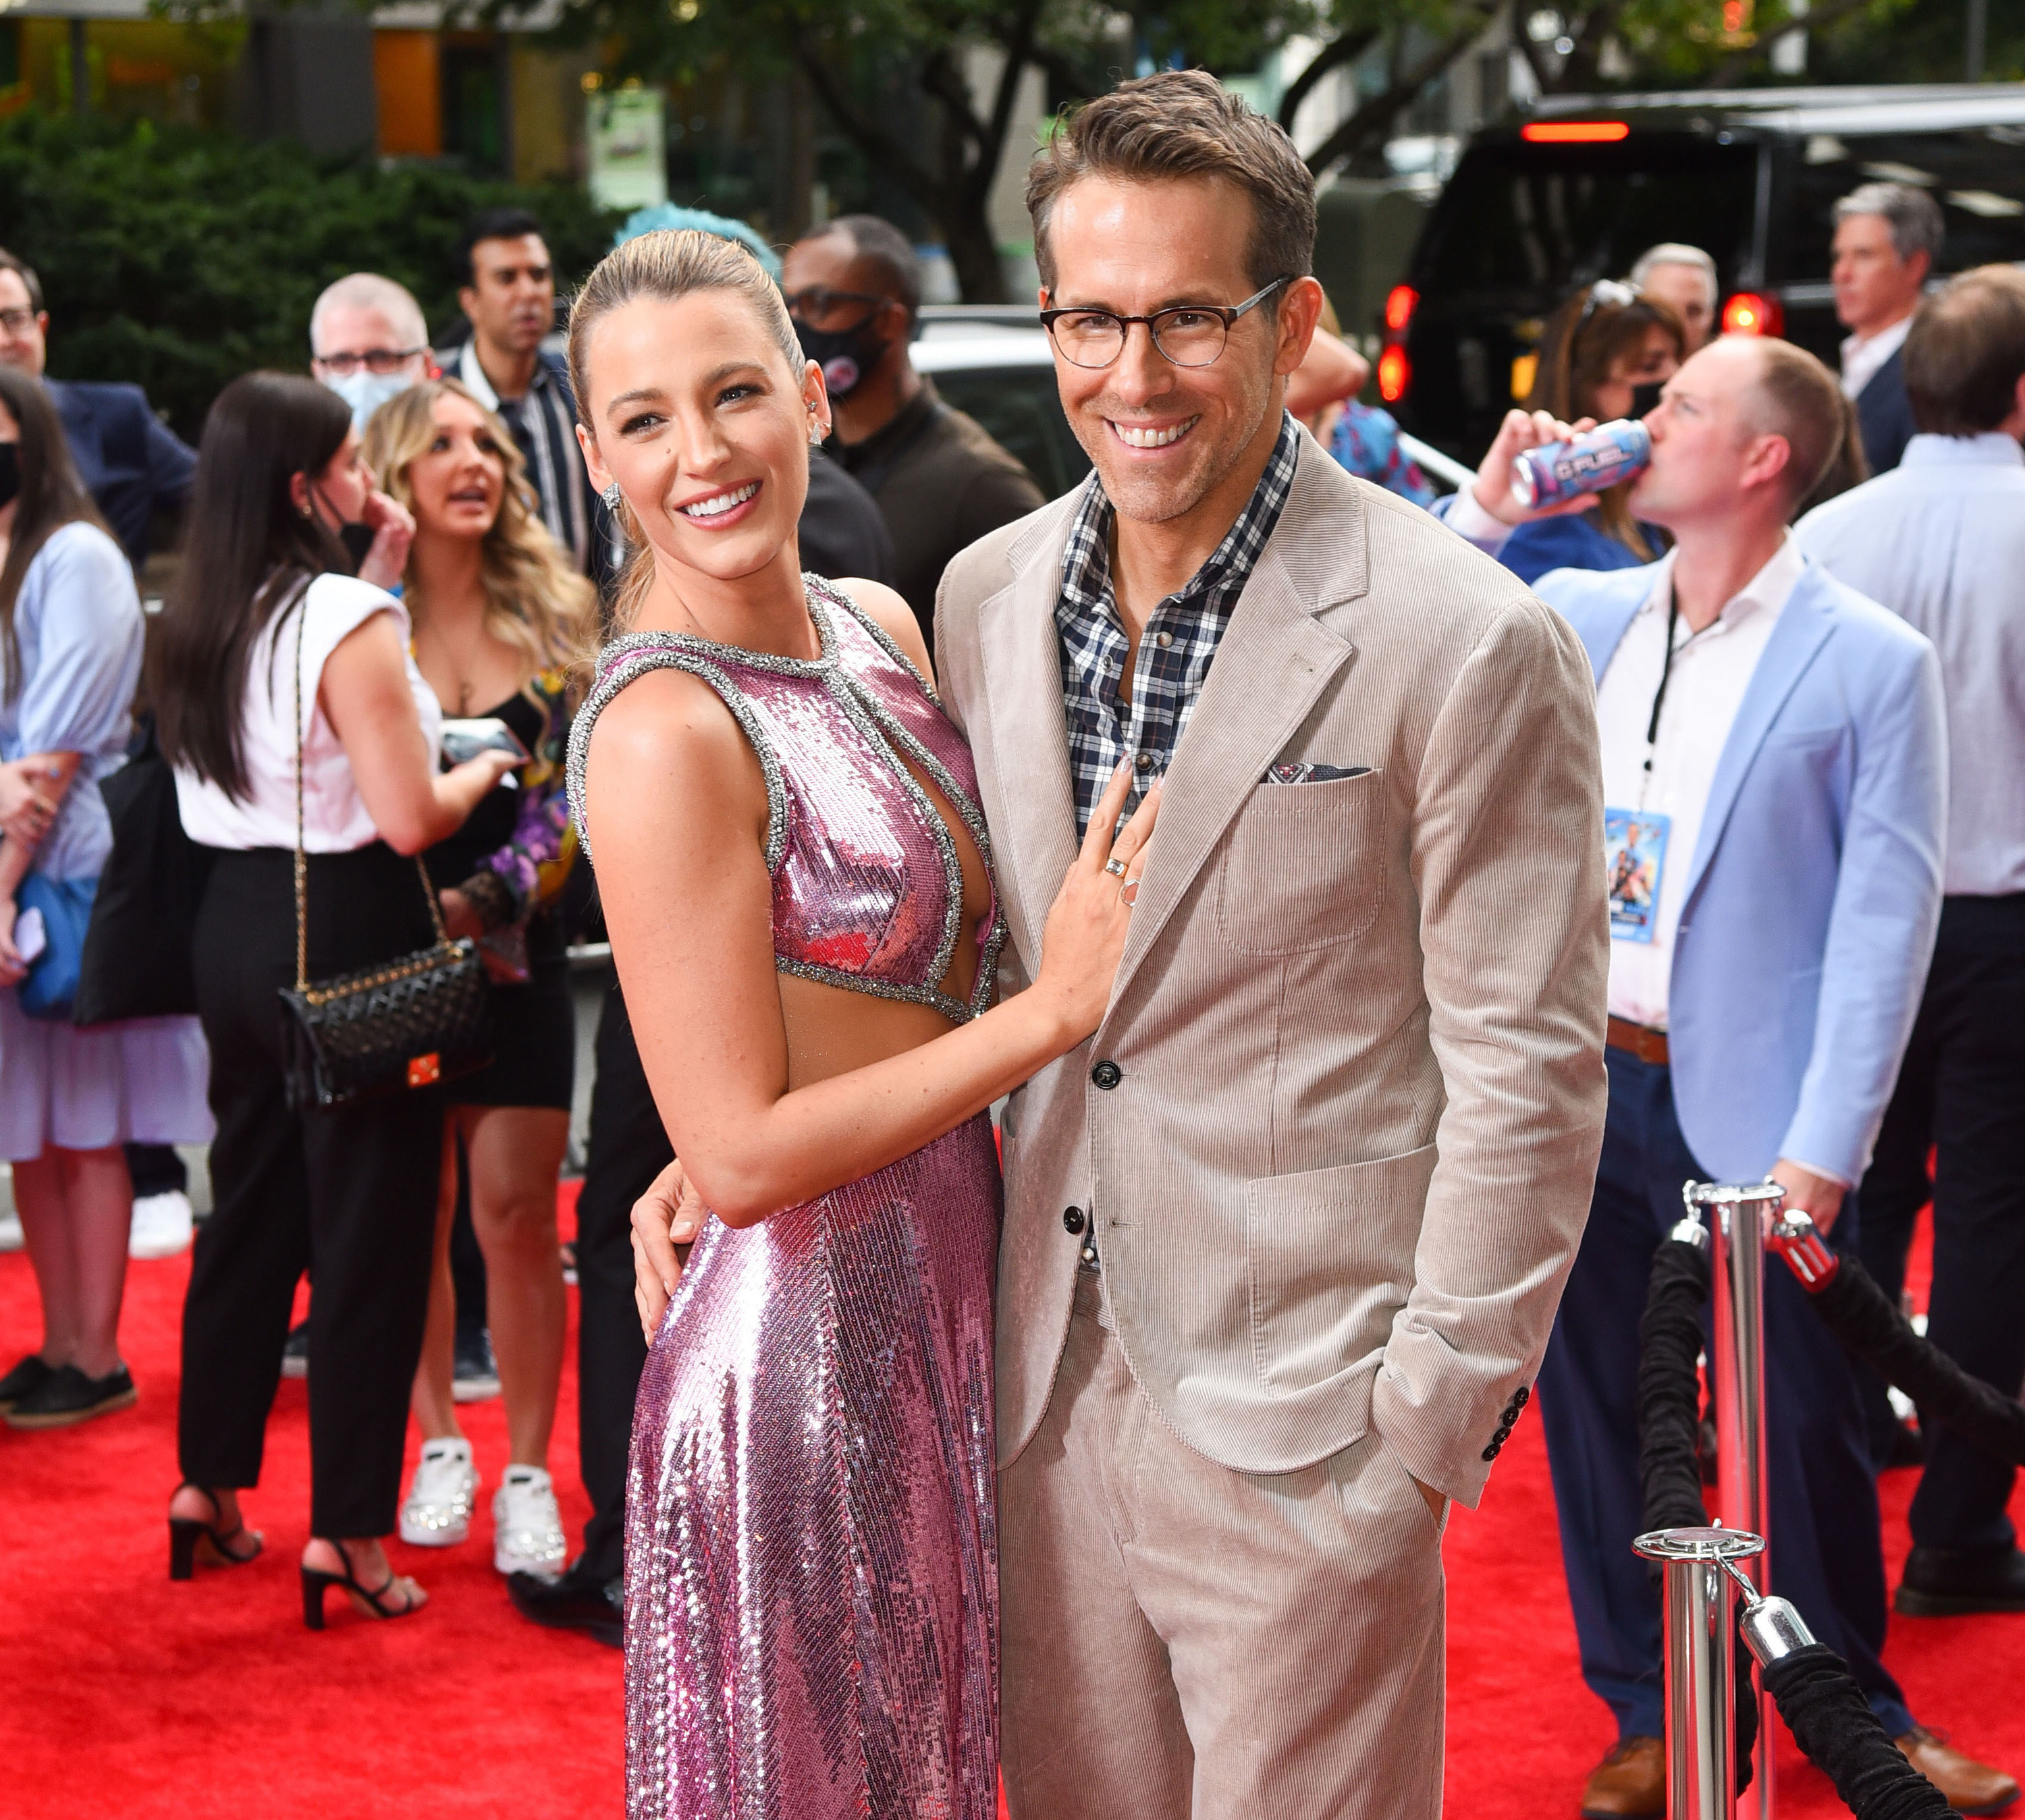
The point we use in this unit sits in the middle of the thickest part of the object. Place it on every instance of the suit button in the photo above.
(1107, 1075)
(1072, 1219)
(1522, 1397)
(1491, 1452)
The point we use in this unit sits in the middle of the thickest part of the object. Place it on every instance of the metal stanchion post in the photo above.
(1739, 1220)
(1701, 1599)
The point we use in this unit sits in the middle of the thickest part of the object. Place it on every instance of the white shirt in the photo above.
(335, 819)
(1863, 355)
(1940, 540)
(1710, 671)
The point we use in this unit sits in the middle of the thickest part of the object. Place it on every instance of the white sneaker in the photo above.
(162, 1225)
(437, 1514)
(527, 1525)
(11, 1239)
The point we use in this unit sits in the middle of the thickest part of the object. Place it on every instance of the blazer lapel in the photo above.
(1033, 829)
(1804, 624)
(1273, 662)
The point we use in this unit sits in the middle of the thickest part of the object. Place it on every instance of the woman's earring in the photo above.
(611, 496)
(818, 431)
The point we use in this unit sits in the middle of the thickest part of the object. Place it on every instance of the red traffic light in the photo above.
(1749, 313)
(1399, 303)
(1395, 373)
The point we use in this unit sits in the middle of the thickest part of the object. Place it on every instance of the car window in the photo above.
(1977, 176)
(1022, 411)
(1540, 219)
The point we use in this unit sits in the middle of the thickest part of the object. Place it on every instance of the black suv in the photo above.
(1576, 188)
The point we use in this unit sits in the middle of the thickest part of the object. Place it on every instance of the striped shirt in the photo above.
(544, 425)
(1181, 637)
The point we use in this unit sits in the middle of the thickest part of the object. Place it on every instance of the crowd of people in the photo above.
(1343, 1102)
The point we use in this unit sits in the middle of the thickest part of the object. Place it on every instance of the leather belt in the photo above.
(1640, 1039)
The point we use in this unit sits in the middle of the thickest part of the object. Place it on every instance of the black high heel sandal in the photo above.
(186, 1533)
(316, 1583)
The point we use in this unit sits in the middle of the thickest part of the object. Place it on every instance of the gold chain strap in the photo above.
(302, 856)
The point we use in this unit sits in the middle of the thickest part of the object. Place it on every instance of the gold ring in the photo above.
(1115, 867)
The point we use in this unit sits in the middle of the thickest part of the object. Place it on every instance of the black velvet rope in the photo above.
(1832, 1720)
(1670, 1340)
(1862, 1316)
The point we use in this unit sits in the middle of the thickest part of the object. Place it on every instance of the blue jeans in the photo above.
(1827, 1555)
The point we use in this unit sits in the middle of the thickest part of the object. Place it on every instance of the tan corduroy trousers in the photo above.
(1182, 1642)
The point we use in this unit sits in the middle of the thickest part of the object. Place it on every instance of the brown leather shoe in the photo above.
(1631, 1782)
(1971, 1787)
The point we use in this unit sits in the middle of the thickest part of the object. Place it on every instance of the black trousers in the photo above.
(1961, 1097)
(349, 1195)
(629, 1148)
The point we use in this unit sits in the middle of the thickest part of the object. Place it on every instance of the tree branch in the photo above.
(870, 137)
(1378, 114)
(1346, 47)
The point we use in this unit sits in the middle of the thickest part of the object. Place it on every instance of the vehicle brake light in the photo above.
(1395, 373)
(1575, 132)
(1399, 302)
(1749, 313)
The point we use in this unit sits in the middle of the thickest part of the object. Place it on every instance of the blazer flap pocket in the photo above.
(1329, 1256)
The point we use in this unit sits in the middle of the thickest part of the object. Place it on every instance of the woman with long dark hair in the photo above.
(500, 614)
(70, 656)
(284, 690)
(1604, 354)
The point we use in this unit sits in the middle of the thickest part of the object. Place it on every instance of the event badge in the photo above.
(1634, 855)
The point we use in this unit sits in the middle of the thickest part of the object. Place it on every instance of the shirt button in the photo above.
(1107, 1075)
(1072, 1220)
(1165, 640)
(1146, 761)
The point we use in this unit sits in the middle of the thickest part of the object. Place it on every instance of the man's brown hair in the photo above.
(1178, 124)
(1800, 399)
(1965, 353)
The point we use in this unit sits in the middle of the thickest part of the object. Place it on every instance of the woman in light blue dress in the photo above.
(70, 659)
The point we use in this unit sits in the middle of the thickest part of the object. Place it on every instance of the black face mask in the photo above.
(10, 472)
(1645, 398)
(846, 356)
(355, 534)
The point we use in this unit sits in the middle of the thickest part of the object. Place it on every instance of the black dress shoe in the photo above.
(68, 1395)
(571, 1603)
(1945, 1582)
(25, 1380)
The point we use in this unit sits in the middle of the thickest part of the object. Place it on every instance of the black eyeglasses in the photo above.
(379, 360)
(1187, 335)
(817, 303)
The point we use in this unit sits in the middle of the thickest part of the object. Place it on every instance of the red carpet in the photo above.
(127, 1696)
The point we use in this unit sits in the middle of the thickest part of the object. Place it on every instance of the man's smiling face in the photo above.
(1163, 436)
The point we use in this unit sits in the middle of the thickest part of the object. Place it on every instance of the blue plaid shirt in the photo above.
(1175, 653)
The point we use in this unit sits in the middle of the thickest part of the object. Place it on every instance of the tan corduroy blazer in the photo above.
(1358, 1026)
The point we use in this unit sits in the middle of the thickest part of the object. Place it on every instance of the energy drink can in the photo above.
(1555, 472)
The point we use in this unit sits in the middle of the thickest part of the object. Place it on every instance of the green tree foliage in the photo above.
(179, 259)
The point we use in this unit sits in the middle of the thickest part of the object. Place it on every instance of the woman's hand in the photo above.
(1084, 939)
(394, 530)
(1521, 431)
(13, 970)
(460, 918)
(669, 1215)
(26, 813)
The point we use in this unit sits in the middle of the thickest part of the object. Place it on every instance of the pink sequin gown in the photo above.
(811, 1561)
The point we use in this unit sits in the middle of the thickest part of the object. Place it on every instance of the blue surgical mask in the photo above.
(366, 391)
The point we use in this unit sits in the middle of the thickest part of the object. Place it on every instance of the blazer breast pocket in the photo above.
(1304, 866)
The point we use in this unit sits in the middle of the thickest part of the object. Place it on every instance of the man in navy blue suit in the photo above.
(131, 462)
(1886, 238)
(1775, 781)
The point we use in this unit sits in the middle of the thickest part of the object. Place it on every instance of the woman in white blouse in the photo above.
(70, 656)
(283, 510)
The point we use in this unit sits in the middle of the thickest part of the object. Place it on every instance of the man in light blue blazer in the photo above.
(1774, 765)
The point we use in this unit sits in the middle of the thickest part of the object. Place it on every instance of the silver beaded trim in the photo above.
(633, 654)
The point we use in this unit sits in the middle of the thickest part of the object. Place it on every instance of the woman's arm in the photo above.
(55, 770)
(678, 817)
(27, 809)
(508, 883)
(365, 693)
(1333, 369)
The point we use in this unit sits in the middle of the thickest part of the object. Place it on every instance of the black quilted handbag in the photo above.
(408, 1022)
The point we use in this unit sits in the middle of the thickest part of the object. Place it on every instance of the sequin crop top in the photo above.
(868, 889)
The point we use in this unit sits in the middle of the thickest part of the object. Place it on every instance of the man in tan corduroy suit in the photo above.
(1284, 1240)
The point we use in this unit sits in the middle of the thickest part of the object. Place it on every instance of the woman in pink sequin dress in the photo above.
(796, 877)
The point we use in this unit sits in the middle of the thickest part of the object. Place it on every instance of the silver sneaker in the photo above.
(437, 1514)
(528, 1527)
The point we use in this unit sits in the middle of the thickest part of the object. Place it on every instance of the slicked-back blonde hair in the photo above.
(666, 264)
(535, 600)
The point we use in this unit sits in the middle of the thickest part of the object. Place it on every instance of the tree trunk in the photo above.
(973, 248)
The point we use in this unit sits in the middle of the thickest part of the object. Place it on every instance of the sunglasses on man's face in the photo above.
(818, 306)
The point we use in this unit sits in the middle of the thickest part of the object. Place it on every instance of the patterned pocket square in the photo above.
(1303, 772)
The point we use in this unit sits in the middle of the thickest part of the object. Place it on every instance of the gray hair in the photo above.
(369, 291)
(1674, 253)
(1912, 216)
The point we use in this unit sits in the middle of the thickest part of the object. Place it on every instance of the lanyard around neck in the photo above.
(1666, 671)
